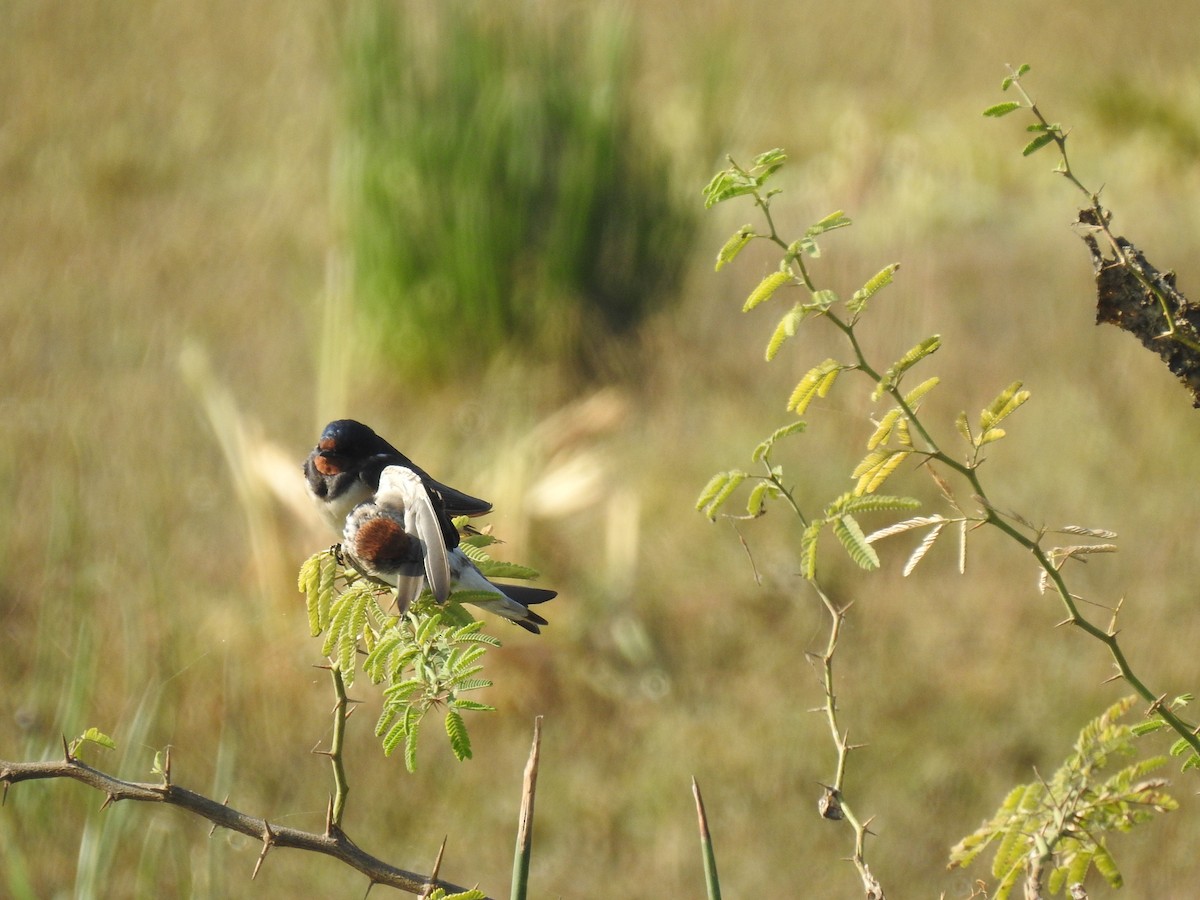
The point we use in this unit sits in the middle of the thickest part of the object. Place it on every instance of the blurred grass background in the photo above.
(180, 289)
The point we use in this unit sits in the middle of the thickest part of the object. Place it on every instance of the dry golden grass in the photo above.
(164, 184)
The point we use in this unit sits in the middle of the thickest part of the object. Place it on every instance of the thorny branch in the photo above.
(332, 843)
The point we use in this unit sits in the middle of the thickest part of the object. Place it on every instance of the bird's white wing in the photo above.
(402, 486)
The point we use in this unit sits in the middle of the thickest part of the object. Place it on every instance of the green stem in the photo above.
(340, 783)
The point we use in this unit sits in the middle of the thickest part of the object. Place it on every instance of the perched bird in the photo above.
(343, 471)
(396, 538)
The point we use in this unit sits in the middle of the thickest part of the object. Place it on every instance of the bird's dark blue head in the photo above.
(347, 437)
(345, 446)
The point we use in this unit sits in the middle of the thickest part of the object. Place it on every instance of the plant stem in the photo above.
(841, 741)
(524, 849)
(340, 783)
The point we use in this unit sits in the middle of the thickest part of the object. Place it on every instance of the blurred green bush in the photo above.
(501, 187)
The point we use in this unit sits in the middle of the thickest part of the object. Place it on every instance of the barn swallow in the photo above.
(396, 538)
(343, 471)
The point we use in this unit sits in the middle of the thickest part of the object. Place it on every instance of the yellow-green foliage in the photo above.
(1062, 823)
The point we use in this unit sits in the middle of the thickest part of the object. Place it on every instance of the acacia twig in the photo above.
(335, 843)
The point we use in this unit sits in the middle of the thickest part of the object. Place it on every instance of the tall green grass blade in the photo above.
(712, 881)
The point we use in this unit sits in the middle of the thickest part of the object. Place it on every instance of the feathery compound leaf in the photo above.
(905, 526)
(883, 431)
(410, 745)
(914, 397)
(853, 503)
(1033, 147)
(477, 541)
(847, 530)
(456, 730)
(872, 479)
(1002, 109)
(922, 549)
(816, 383)
(766, 288)
(717, 491)
(1101, 533)
(1008, 402)
(763, 450)
(1106, 865)
(992, 434)
(964, 428)
(726, 185)
(785, 329)
(308, 581)
(893, 375)
(870, 462)
(756, 503)
(316, 581)
(879, 280)
(770, 160)
(822, 300)
(829, 223)
(808, 549)
(495, 568)
(734, 246)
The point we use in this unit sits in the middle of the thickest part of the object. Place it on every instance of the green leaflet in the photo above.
(737, 182)
(816, 382)
(764, 449)
(1037, 144)
(847, 530)
(717, 491)
(770, 160)
(456, 730)
(913, 398)
(808, 549)
(893, 375)
(413, 728)
(734, 246)
(494, 568)
(876, 468)
(1002, 109)
(785, 329)
(1009, 401)
(883, 431)
(853, 503)
(881, 279)
(767, 288)
(829, 223)
(316, 582)
(90, 736)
